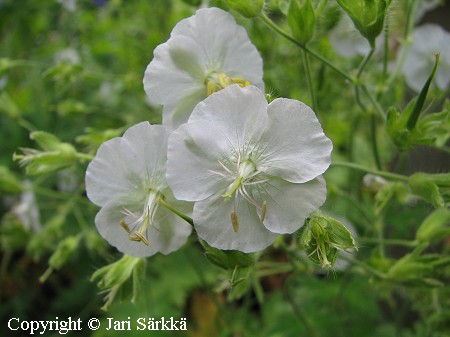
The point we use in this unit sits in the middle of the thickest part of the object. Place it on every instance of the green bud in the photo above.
(63, 252)
(118, 276)
(247, 8)
(391, 190)
(302, 20)
(415, 270)
(71, 107)
(367, 16)
(57, 155)
(116, 273)
(8, 181)
(322, 237)
(228, 259)
(423, 185)
(435, 227)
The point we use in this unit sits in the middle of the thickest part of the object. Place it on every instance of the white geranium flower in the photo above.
(347, 41)
(126, 179)
(27, 210)
(427, 41)
(253, 169)
(204, 53)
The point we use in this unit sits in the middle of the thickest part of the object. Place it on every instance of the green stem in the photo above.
(366, 267)
(84, 156)
(374, 143)
(277, 29)
(173, 210)
(307, 65)
(383, 174)
(374, 101)
(391, 242)
(364, 63)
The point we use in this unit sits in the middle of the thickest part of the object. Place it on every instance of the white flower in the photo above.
(126, 178)
(426, 6)
(205, 52)
(347, 41)
(27, 210)
(253, 169)
(427, 41)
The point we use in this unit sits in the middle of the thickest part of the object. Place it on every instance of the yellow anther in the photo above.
(241, 81)
(124, 225)
(141, 237)
(234, 221)
(224, 80)
(211, 88)
(263, 211)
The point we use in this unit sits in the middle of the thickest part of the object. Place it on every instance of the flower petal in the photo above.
(289, 204)
(296, 148)
(177, 71)
(168, 233)
(212, 221)
(240, 113)
(194, 152)
(225, 43)
(123, 165)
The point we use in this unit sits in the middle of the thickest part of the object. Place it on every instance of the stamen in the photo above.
(241, 81)
(141, 237)
(211, 88)
(263, 210)
(234, 221)
(224, 167)
(224, 80)
(124, 225)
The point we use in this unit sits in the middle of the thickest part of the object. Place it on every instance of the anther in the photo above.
(142, 238)
(234, 221)
(263, 211)
(124, 225)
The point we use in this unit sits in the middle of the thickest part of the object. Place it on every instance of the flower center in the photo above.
(141, 223)
(216, 82)
(246, 173)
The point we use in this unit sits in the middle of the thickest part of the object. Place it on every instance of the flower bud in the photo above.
(435, 227)
(56, 155)
(322, 237)
(302, 20)
(424, 186)
(247, 8)
(62, 254)
(367, 15)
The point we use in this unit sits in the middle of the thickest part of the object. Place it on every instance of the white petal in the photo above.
(168, 234)
(123, 165)
(177, 112)
(194, 152)
(176, 71)
(212, 221)
(240, 113)
(225, 43)
(296, 148)
(289, 204)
